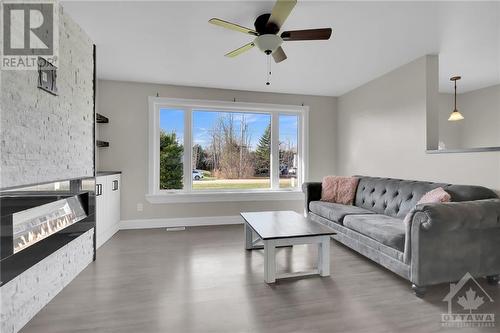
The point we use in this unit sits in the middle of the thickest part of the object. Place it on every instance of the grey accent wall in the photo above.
(44, 137)
(381, 131)
(126, 104)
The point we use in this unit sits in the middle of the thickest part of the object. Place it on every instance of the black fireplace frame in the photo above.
(13, 264)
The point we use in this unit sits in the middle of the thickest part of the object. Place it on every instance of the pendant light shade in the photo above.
(455, 115)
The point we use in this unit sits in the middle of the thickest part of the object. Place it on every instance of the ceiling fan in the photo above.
(267, 27)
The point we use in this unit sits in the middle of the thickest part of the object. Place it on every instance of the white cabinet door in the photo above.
(100, 211)
(107, 207)
(114, 200)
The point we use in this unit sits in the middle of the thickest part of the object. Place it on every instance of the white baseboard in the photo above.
(179, 222)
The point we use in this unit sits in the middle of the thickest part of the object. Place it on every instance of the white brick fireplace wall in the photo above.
(24, 296)
(45, 137)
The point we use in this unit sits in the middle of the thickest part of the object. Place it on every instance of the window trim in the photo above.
(155, 195)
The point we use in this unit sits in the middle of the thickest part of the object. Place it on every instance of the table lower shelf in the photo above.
(270, 245)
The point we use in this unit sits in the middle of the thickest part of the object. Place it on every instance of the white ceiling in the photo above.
(171, 42)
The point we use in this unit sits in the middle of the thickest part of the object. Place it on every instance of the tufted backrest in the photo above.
(396, 197)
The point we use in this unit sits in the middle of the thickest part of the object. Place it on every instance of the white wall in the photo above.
(381, 131)
(126, 104)
(481, 110)
(481, 126)
(45, 137)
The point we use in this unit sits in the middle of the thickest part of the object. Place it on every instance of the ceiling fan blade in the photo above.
(279, 55)
(281, 10)
(311, 34)
(240, 50)
(232, 26)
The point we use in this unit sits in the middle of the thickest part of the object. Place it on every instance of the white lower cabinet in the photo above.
(107, 207)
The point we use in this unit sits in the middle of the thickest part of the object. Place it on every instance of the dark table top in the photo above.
(284, 224)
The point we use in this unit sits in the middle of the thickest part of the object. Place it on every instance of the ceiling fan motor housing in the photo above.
(267, 28)
(263, 26)
(268, 43)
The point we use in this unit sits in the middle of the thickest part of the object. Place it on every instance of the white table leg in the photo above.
(324, 256)
(248, 237)
(269, 261)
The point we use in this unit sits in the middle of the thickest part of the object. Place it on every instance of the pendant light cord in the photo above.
(455, 95)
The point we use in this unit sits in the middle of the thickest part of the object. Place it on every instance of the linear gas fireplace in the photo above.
(37, 222)
(32, 225)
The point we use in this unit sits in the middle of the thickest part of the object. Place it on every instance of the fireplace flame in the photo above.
(43, 231)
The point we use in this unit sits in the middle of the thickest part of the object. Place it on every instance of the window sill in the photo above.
(192, 197)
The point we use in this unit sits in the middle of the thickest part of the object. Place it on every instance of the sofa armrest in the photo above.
(449, 239)
(312, 191)
(478, 214)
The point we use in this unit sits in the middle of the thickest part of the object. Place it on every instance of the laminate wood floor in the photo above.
(202, 280)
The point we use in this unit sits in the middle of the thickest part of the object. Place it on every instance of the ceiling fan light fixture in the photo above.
(268, 43)
(267, 26)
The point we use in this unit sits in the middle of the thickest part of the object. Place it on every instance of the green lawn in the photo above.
(236, 184)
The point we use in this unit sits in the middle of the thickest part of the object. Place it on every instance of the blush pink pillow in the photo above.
(329, 188)
(436, 195)
(339, 189)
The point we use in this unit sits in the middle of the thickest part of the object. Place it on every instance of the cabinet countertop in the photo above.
(107, 173)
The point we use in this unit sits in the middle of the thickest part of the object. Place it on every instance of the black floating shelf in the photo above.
(101, 119)
(100, 143)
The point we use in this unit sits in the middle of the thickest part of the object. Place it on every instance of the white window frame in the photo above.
(156, 195)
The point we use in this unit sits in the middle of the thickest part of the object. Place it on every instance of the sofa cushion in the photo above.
(344, 233)
(387, 230)
(334, 211)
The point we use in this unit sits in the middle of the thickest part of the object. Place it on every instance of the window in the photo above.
(171, 149)
(231, 150)
(289, 135)
(225, 151)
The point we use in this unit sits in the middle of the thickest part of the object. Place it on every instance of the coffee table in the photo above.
(286, 228)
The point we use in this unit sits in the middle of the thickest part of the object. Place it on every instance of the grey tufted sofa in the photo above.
(440, 244)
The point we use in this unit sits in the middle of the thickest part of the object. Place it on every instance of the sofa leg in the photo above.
(493, 279)
(418, 290)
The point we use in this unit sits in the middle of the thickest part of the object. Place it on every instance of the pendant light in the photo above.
(455, 115)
